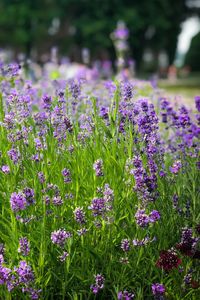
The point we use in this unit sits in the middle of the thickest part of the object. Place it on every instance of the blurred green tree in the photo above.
(26, 24)
(192, 56)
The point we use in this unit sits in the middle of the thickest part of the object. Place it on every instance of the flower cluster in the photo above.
(143, 220)
(24, 246)
(168, 260)
(99, 283)
(59, 237)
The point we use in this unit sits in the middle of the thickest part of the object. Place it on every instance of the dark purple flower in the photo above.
(154, 216)
(125, 295)
(99, 284)
(168, 260)
(29, 195)
(47, 101)
(158, 289)
(125, 245)
(197, 102)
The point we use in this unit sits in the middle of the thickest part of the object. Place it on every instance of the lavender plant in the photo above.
(99, 191)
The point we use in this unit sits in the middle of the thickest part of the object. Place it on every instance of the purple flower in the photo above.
(197, 102)
(4, 274)
(29, 195)
(79, 215)
(99, 283)
(142, 219)
(75, 89)
(158, 289)
(14, 155)
(98, 206)
(57, 201)
(98, 167)
(154, 216)
(82, 231)
(5, 169)
(41, 177)
(125, 245)
(24, 272)
(125, 295)
(34, 294)
(46, 100)
(18, 202)
(176, 167)
(63, 257)
(60, 236)
(67, 175)
(24, 246)
(127, 91)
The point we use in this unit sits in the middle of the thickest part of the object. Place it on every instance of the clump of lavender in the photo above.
(24, 272)
(98, 167)
(18, 202)
(158, 291)
(24, 246)
(143, 220)
(29, 195)
(14, 155)
(99, 283)
(79, 215)
(57, 201)
(67, 175)
(127, 91)
(59, 237)
(98, 207)
(46, 101)
(125, 245)
(125, 295)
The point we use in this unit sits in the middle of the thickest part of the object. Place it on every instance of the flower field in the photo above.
(99, 190)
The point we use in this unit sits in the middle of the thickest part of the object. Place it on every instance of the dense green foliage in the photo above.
(192, 56)
(25, 25)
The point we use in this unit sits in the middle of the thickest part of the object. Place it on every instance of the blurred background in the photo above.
(157, 39)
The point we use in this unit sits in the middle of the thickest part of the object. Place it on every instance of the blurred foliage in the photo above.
(24, 25)
(192, 56)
